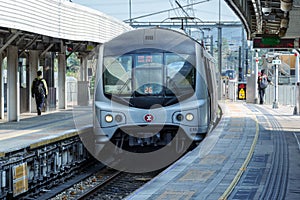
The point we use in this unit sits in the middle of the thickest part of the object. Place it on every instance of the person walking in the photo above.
(263, 81)
(39, 91)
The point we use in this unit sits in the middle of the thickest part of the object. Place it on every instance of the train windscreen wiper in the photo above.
(121, 100)
(176, 99)
(171, 82)
(125, 85)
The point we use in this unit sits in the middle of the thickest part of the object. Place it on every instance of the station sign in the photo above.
(276, 43)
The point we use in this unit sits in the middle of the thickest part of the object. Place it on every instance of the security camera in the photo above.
(266, 11)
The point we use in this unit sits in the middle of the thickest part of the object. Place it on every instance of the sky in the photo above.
(207, 10)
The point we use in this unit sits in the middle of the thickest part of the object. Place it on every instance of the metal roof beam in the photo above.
(12, 38)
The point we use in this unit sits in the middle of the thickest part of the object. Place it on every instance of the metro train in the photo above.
(152, 84)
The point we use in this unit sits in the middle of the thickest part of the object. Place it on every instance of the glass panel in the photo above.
(149, 60)
(180, 74)
(149, 74)
(117, 75)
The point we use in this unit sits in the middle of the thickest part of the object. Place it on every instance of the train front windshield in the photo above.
(149, 74)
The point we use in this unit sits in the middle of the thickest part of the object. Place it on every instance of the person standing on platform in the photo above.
(39, 90)
(263, 81)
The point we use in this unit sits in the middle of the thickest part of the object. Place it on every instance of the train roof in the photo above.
(158, 38)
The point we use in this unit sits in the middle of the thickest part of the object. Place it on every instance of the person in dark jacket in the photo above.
(39, 90)
(263, 81)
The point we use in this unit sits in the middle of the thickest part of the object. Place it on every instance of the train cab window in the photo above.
(117, 75)
(180, 74)
(148, 74)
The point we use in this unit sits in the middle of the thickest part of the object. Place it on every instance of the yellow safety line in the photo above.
(244, 166)
(48, 141)
(56, 139)
(52, 140)
(9, 135)
(17, 133)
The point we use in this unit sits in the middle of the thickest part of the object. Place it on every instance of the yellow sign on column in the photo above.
(242, 94)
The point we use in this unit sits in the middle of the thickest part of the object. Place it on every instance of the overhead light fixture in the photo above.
(284, 23)
(266, 11)
(286, 5)
(282, 32)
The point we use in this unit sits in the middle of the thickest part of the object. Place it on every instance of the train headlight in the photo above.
(109, 118)
(118, 118)
(189, 117)
(179, 117)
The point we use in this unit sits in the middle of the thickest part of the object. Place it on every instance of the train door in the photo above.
(210, 77)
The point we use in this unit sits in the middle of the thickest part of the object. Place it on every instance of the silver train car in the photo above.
(151, 86)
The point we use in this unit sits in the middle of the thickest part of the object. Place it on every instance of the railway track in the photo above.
(106, 184)
(120, 186)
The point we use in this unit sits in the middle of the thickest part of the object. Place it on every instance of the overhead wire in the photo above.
(174, 10)
(163, 11)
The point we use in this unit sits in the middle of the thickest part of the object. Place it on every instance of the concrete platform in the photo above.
(253, 153)
(33, 131)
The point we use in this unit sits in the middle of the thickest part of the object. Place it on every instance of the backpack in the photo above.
(263, 82)
(39, 87)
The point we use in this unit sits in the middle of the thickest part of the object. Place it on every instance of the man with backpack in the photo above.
(39, 90)
(263, 81)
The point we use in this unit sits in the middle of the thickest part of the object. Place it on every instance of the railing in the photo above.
(286, 95)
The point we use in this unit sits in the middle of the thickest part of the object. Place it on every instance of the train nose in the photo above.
(154, 115)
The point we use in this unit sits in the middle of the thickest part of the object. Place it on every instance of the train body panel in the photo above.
(151, 84)
(174, 115)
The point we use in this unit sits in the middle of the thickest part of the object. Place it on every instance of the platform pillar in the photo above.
(255, 78)
(275, 103)
(83, 93)
(297, 86)
(33, 67)
(297, 107)
(62, 97)
(251, 88)
(13, 85)
(1, 88)
(83, 69)
(48, 73)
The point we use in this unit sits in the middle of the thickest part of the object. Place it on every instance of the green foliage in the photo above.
(73, 66)
(73, 60)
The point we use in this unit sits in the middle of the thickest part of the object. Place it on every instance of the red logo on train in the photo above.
(148, 118)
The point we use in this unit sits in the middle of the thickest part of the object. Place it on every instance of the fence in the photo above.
(71, 91)
(286, 93)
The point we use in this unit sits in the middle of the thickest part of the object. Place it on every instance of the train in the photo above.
(154, 86)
